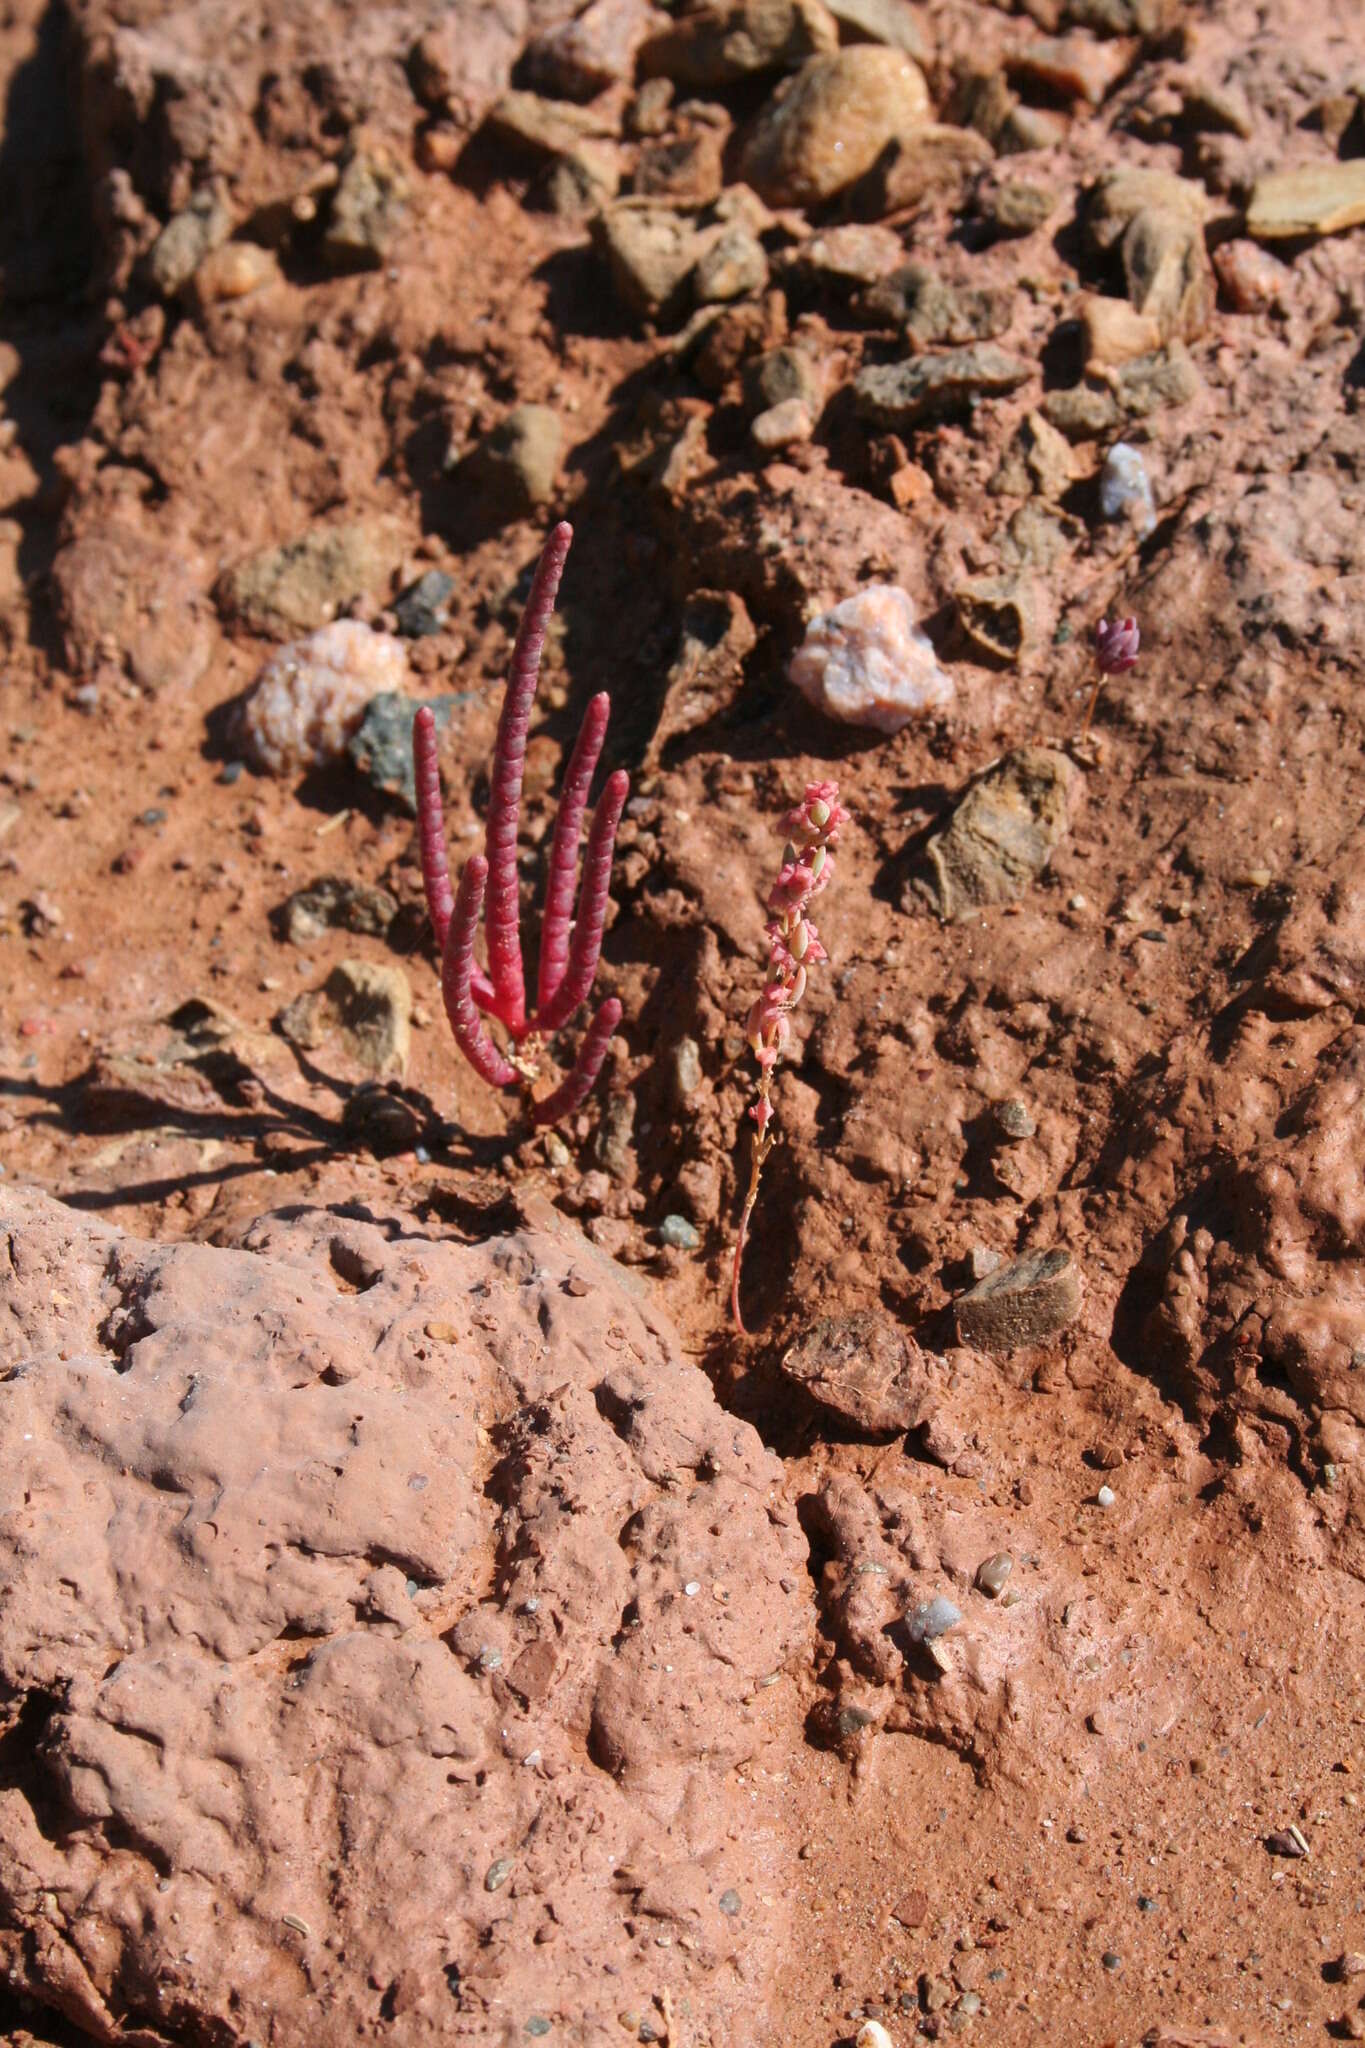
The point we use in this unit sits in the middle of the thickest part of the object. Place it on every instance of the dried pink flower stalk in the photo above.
(793, 947)
(1116, 651)
(489, 886)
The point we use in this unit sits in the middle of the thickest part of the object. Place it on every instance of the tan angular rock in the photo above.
(1115, 332)
(1148, 383)
(1039, 459)
(363, 1006)
(1315, 199)
(1167, 271)
(1082, 412)
(734, 266)
(651, 252)
(847, 256)
(305, 582)
(999, 614)
(1118, 196)
(368, 208)
(1002, 833)
(782, 425)
(893, 22)
(824, 128)
(1076, 66)
(936, 159)
(722, 44)
(514, 467)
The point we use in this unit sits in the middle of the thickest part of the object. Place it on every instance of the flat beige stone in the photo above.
(1315, 199)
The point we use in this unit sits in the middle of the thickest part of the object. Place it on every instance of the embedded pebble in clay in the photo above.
(311, 696)
(867, 663)
(1126, 488)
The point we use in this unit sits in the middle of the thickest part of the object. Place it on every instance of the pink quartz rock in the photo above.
(311, 696)
(867, 663)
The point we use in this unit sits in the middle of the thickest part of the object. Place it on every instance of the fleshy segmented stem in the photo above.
(503, 920)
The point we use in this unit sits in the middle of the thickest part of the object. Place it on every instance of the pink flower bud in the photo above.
(1116, 645)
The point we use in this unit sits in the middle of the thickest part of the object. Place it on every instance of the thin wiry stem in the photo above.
(586, 945)
(504, 808)
(572, 1091)
(563, 873)
(457, 966)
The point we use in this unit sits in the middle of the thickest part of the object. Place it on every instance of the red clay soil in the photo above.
(989, 1668)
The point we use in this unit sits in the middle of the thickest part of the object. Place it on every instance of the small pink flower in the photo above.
(1116, 645)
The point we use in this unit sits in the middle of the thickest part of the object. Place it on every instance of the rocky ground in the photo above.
(976, 1648)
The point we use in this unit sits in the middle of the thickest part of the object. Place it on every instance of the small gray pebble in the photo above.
(230, 771)
(1146, 1905)
(925, 1624)
(420, 609)
(1106, 1497)
(1111, 1961)
(970, 2002)
(537, 2025)
(155, 816)
(729, 1903)
(678, 1232)
(497, 1874)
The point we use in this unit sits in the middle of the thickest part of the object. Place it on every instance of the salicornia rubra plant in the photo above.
(569, 946)
(1116, 651)
(793, 947)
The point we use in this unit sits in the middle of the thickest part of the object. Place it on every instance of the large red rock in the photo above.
(383, 1622)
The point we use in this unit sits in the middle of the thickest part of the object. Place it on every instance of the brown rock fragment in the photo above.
(582, 57)
(901, 394)
(722, 44)
(1038, 459)
(847, 256)
(651, 252)
(368, 207)
(1082, 412)
(1076, 66)
(937, 160)
(366, 1008)
(931, 312)
(1167, 271)
(864, 1368)
(826, 126)
(1002, 833)
(686, 170)
(1020, 1304)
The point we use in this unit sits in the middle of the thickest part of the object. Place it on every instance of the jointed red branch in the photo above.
(568, 959)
